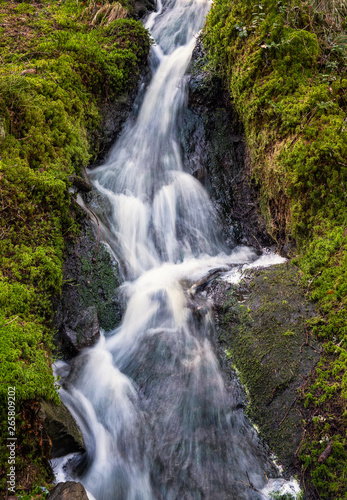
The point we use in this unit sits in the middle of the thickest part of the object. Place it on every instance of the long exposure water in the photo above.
(150, 398)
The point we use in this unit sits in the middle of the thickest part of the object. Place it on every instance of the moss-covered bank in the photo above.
(284, 64)
(62, 64)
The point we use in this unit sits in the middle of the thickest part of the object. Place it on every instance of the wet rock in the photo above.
(142, 7)
(114, 116)
(81, 184)
(68, 491)
(89, 299)
(100, 204)
(85, 332)
(216, 154)
(62, 429)
(261, 330)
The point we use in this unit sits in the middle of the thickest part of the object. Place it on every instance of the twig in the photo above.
(256, 241)
(249, 486)
(11, 321)
(287, 412)
(98, 239)
(325, 455)
(298, 448)
(23, 138)
(306, 343)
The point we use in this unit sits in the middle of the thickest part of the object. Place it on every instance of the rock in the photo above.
(114, 115)
(68, 491)
(262, 325)
(142, 7)
(100, 204)
(89, 297)
(62, 429)
(215, 153)
(81, 184)
(85, 331)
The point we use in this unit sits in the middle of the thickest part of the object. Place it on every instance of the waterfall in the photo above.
(157, 419)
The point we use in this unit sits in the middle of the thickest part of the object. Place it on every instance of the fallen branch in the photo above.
(287, 412)
(98, 239)
(11, 321)
(249, 485)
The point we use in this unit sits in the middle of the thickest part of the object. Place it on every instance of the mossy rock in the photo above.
(62, 429)
(68, 490)
(262, 327)
(90, 282)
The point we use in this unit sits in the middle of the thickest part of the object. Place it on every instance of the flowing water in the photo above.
(157, 418)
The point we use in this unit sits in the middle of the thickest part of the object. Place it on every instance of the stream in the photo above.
(157, 417)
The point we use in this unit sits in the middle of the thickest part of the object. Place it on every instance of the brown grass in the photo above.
(334, 11)
(107, 13)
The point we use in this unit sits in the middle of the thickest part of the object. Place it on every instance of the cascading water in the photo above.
(157, 419)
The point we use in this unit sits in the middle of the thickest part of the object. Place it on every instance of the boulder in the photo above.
(62, 429)
(68, 491)
(215, 152)
(89, 299)
(85, 330)
(262, 332)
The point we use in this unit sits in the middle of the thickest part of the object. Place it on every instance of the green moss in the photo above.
(284, 64)
(57, 71)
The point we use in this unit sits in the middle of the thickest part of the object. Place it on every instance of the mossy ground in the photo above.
(284, 63)
(59, 65)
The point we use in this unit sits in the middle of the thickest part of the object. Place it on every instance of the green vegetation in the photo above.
(284, 63)
(61, 63)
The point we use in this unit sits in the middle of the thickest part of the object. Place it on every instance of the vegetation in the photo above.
(61, 63)
(284, 63)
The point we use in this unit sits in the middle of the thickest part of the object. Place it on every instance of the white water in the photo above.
(157, 419)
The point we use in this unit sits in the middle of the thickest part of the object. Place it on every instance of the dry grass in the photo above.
(105, 14)
(334, 11)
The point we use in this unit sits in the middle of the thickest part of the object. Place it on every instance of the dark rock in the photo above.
(89, 297)
(68, 491)
(81, 184)
(114, 116)
(62, 429)
(143, 7)
(215, 153)
(100, 204)
(86, 330)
